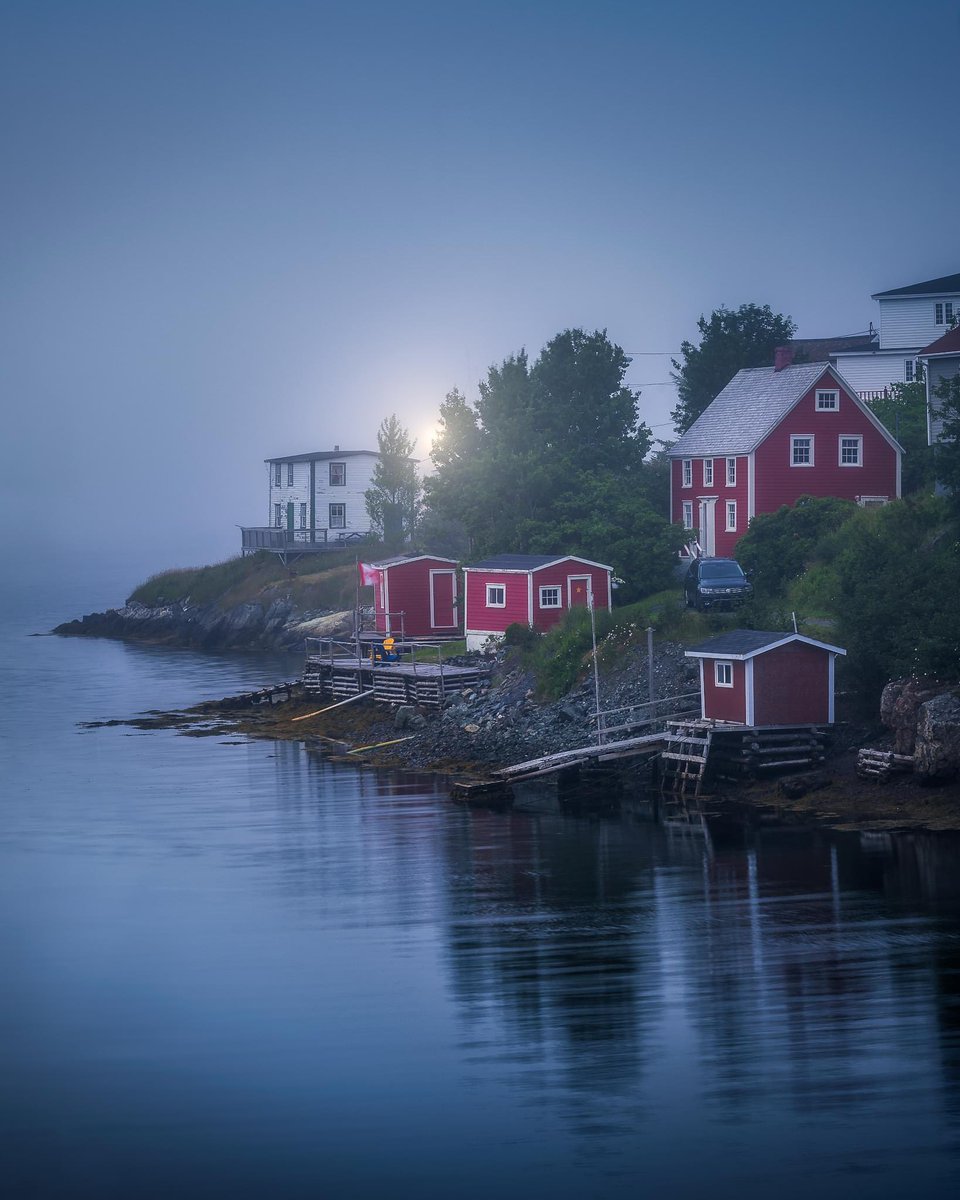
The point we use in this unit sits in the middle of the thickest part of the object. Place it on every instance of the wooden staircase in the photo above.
(683, 760)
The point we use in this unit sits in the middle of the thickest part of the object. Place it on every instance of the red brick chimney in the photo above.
(782, 357)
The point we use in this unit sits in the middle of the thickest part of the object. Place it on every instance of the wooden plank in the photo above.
(331, 707)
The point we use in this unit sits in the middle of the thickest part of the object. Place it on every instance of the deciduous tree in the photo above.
(730, 340)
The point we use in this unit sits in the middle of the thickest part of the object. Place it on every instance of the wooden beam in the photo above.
(331, 707)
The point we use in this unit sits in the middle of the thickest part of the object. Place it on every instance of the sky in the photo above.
(232, 230)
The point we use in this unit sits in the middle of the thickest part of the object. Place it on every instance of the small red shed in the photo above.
(752, 677)
(414, 596)
(529, 589)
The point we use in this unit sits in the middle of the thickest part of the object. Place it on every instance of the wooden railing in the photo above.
(650, 712)
(269, 537)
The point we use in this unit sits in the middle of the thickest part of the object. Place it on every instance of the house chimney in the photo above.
(336, 449)
(782, 357)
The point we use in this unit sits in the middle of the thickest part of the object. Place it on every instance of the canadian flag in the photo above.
(368, 574)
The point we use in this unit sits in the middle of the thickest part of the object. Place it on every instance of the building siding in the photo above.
(725, 542)
(791, 686)
(938, 369)
(495, 620)
(723, 703)
(359, 476)
(779, 483)
(408, 593)
(558, 576)
(911, 320)
(874, 372)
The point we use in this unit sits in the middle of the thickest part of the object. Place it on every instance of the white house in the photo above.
(319, 497)
(910, 318)
(941, 360)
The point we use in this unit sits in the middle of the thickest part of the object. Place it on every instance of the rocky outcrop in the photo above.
(900, 708)
(937, 753)
(279, 626)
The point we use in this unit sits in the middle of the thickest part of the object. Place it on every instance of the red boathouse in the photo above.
(751, 677)
(529, 589)
(414, 596)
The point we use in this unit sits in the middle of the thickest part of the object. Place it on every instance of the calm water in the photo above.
(236, 970)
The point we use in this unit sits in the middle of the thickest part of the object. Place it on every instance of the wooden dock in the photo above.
(424, 684)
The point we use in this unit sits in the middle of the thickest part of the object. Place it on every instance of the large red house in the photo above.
(529, 589)
(415, 596)
(770, 437)
(752, 677)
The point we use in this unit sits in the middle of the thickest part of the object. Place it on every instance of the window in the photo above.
(303, 516)
(289, 474)
(338, 474)
(827, 401)
(909, 370)
(496, 595)
(688, 514)
(851, 452)
(943, 312)
(277, 474)
(723, 674)
(731, 516)
(278, 514)
(801, 451)
(731, 472)
(550, 597)
(708, 472)
(338, 516)
(688, 472)
(873, 501)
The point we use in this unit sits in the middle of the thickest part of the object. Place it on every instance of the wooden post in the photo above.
(650, 687)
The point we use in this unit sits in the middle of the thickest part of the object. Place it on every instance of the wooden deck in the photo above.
(427, 684)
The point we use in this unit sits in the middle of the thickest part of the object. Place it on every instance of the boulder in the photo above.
(937, 752)
(900, 707)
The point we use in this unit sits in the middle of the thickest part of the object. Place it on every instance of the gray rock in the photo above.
(937, 751)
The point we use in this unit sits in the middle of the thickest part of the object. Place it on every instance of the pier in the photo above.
(340, 670)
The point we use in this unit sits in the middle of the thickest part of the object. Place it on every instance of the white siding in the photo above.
(359, 478)
(298, 494)
(937, 371)
(872, 372)
(911, 321)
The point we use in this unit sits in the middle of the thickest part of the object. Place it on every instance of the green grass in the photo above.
(326, 581)
(428, 654)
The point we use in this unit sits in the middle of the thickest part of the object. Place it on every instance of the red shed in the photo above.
(415, 596)
(529, 589)
(751, 677)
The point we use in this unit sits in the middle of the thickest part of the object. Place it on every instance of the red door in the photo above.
(443, 591)
(578, 588)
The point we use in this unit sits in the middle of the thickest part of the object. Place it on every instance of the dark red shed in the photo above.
(415, 596)
(752, 677)
(529, 589)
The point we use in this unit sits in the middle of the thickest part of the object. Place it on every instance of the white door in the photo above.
(708, 526)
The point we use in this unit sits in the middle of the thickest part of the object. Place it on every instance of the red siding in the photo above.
(791, 686)
(724, 542)
(495, 620)
(778, 483)
(723, 703)
(408, 592)
(559, 575)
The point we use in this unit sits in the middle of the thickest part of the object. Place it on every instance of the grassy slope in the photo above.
(325, 581)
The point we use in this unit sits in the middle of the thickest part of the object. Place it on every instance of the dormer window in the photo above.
(827, 400)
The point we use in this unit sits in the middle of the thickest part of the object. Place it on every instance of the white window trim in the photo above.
(330, 509)
(708, 472)
(731, 508)
(909, 370)
(551, 587)
(331, 480)
(824, 394)
(850, 437)
(731, 472)
(688, 514)
(727, 670)
(801, 437)
(499, 587)
(278, 516)
(686, 472)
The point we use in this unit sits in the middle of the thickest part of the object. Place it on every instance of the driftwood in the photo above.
(881, 764)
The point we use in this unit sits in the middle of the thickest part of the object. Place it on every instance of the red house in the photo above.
(750, 677)
(529, 589)
(415, 596)
(770, 437)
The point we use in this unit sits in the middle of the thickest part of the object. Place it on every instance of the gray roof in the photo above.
(930, 287)
(317, 455)
(747, 642)
(516, 562)
(752, 404)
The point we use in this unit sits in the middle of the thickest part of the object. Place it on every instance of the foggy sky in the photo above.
(236, 230)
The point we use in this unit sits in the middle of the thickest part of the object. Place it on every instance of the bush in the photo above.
(520, 637)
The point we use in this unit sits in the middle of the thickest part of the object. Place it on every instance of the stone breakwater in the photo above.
(279, 626)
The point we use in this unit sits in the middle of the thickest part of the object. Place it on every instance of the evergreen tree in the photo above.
(393, 500)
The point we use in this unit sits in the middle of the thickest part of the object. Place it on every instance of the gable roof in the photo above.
(948, 344)
(747, 643)
(530, 562)
(320, 454)
(930, 287)
(753, 404)
(398, 559)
